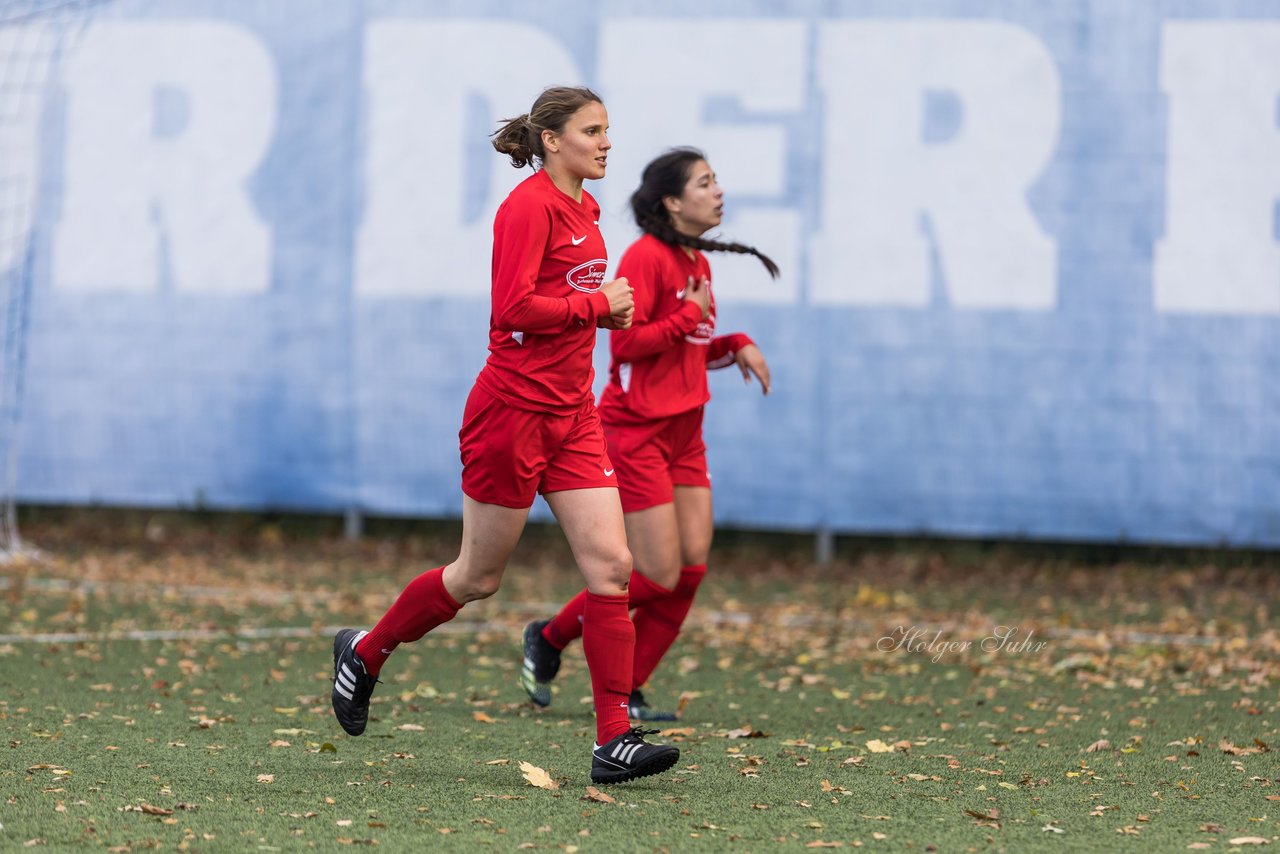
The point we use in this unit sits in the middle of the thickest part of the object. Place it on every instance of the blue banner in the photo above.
(1030, 253)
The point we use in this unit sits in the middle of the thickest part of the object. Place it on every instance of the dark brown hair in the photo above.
(521, 138)
(666, 175)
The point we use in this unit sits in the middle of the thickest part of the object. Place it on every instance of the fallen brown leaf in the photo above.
(1227, 747)
(745, 732)
(537, 777)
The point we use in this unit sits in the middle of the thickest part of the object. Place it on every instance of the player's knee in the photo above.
(664, 573)
(615, 566)
(473, 584)
(486, 586)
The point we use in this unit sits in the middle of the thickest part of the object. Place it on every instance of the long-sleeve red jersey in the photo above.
(548, 265)
(659, 366)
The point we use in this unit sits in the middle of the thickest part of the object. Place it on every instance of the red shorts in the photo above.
(509, 455)
(656, 456)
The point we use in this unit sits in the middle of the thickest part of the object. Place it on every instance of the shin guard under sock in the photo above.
(422, 605)
(658, 623)
(608, 641)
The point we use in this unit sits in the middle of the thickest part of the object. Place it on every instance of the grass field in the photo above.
(166, 686)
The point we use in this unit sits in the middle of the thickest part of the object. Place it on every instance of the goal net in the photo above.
(33, 35)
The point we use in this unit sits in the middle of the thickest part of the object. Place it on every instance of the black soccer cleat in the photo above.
(629, 757)
(541, 664)
(352, 684)
(639, 710)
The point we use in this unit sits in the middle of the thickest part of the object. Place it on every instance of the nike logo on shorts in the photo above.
(608, 472)
(577, 240)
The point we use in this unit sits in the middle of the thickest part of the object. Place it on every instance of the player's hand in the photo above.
(622, 304)
(751, 361)
(621, 297)
(699, 294)
(617, 321)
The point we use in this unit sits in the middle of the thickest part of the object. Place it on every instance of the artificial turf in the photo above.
(171, 691)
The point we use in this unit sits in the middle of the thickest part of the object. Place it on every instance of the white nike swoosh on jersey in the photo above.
(680, 294)
(577, 240)
(608, 472)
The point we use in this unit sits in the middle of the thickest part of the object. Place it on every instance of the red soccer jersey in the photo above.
(548, 265)
(659, 365)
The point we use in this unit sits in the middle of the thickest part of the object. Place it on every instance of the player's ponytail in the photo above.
(666, 175)
(521, 138)
(516, 140)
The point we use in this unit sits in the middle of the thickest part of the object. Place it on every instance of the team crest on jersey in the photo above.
(703, 332)
(587, 277)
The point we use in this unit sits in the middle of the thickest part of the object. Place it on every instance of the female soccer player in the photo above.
(530, 425)
(652, 413)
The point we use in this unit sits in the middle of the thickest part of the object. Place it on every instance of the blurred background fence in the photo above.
(1030, 252)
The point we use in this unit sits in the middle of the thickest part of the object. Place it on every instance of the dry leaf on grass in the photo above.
(1249, 840)
(482, 718)
(594, 794)
(745, 732)
(990, 818)
(1100, 744)
(537, 777)
(875, 745)
(1227, 747)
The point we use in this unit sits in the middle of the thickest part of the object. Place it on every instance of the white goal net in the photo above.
(33, 35)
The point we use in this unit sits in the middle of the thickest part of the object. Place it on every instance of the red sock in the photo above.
(566, 627)
(658, 623)
(608, 641)
(422, 605)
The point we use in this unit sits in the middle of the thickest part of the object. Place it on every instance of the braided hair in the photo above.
(665, 176)
(521, 138)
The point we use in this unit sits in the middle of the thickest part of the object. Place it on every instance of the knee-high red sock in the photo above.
(566, 626)
(421, 606)
(608, 641)
(658, 623)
